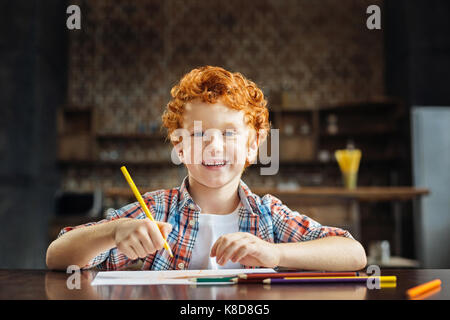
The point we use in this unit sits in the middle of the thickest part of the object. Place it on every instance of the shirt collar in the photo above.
(248, 198)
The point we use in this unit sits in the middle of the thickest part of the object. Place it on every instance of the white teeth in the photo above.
(214, 164)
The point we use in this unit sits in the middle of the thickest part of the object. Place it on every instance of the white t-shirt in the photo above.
(210, 228)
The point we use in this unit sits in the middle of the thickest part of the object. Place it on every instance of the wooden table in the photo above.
(50, 285)
(362, 194)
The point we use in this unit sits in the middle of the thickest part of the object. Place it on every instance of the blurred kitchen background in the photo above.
(78, 104)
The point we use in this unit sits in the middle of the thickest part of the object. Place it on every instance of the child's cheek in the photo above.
(192, 152)
(236, 150)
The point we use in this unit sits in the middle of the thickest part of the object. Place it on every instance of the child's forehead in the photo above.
(217, 114)
(208, 125)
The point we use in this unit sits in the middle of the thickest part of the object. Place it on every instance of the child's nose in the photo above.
(215, 144)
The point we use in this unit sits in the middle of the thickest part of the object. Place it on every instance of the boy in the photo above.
(216, 121)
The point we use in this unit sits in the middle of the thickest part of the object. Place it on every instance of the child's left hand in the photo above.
(247, 249)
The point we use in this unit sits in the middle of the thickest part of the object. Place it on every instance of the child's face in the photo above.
(218, 144)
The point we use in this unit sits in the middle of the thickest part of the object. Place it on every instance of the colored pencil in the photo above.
(142, 203)
(223, 279)
(381, 278)
(385, 285)
(251, 281)
(249, 276)
(260, 280)
(427, 294)
(423, 288)
(328, 280)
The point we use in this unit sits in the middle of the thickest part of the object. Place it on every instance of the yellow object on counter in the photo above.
(348, 161)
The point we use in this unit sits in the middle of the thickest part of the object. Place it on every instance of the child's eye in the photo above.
(229, 133)
(197, 134)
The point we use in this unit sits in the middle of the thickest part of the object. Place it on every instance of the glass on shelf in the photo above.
(304, 129)
(332, 124)
(324, 156)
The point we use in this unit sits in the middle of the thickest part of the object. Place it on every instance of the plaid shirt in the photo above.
(265, 217)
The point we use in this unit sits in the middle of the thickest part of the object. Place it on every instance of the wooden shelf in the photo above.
(65, 163)
(91, 163)
(375, 102)
(311, 163)
(360, 193)
(304, 110)
(356, 133)
(135, 136)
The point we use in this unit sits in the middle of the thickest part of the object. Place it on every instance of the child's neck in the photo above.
(222, 200)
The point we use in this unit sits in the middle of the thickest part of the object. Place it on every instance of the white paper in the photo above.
(165, 277)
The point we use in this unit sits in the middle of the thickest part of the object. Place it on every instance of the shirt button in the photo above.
(192, 222)
(181, 265)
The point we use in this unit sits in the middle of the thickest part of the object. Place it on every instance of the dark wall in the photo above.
(33, 84)
(417, 45)
(417, 34)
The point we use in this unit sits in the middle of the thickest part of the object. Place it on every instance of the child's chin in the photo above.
(218, 180)
(215, 182)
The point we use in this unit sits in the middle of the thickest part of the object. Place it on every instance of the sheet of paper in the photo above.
(165, 277)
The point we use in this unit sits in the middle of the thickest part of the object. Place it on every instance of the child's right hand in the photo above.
(137, 238)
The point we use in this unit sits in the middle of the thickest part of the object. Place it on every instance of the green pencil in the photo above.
(223, 279)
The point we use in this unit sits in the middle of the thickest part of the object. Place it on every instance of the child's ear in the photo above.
(179, 151)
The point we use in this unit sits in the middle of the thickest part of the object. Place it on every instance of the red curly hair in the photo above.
(209, 84)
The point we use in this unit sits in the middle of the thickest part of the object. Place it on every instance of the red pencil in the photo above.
(252, 281)
(256, 276)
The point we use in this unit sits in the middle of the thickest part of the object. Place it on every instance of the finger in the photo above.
(128, 251)
(230, 251)
(213, 252)
(223, 242)
(137, 247)
(239, 254)
(155, 236)
(161, 228)
(227, 240)
(165, 228)
(122, 249)
(145, 240)
(214, 248)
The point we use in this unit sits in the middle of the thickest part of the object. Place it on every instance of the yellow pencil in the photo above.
(142, 203)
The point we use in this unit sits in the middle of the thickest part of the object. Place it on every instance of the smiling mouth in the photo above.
(215, 163)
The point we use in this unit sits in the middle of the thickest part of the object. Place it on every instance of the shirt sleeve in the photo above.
(110, 259)
(291, 226)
